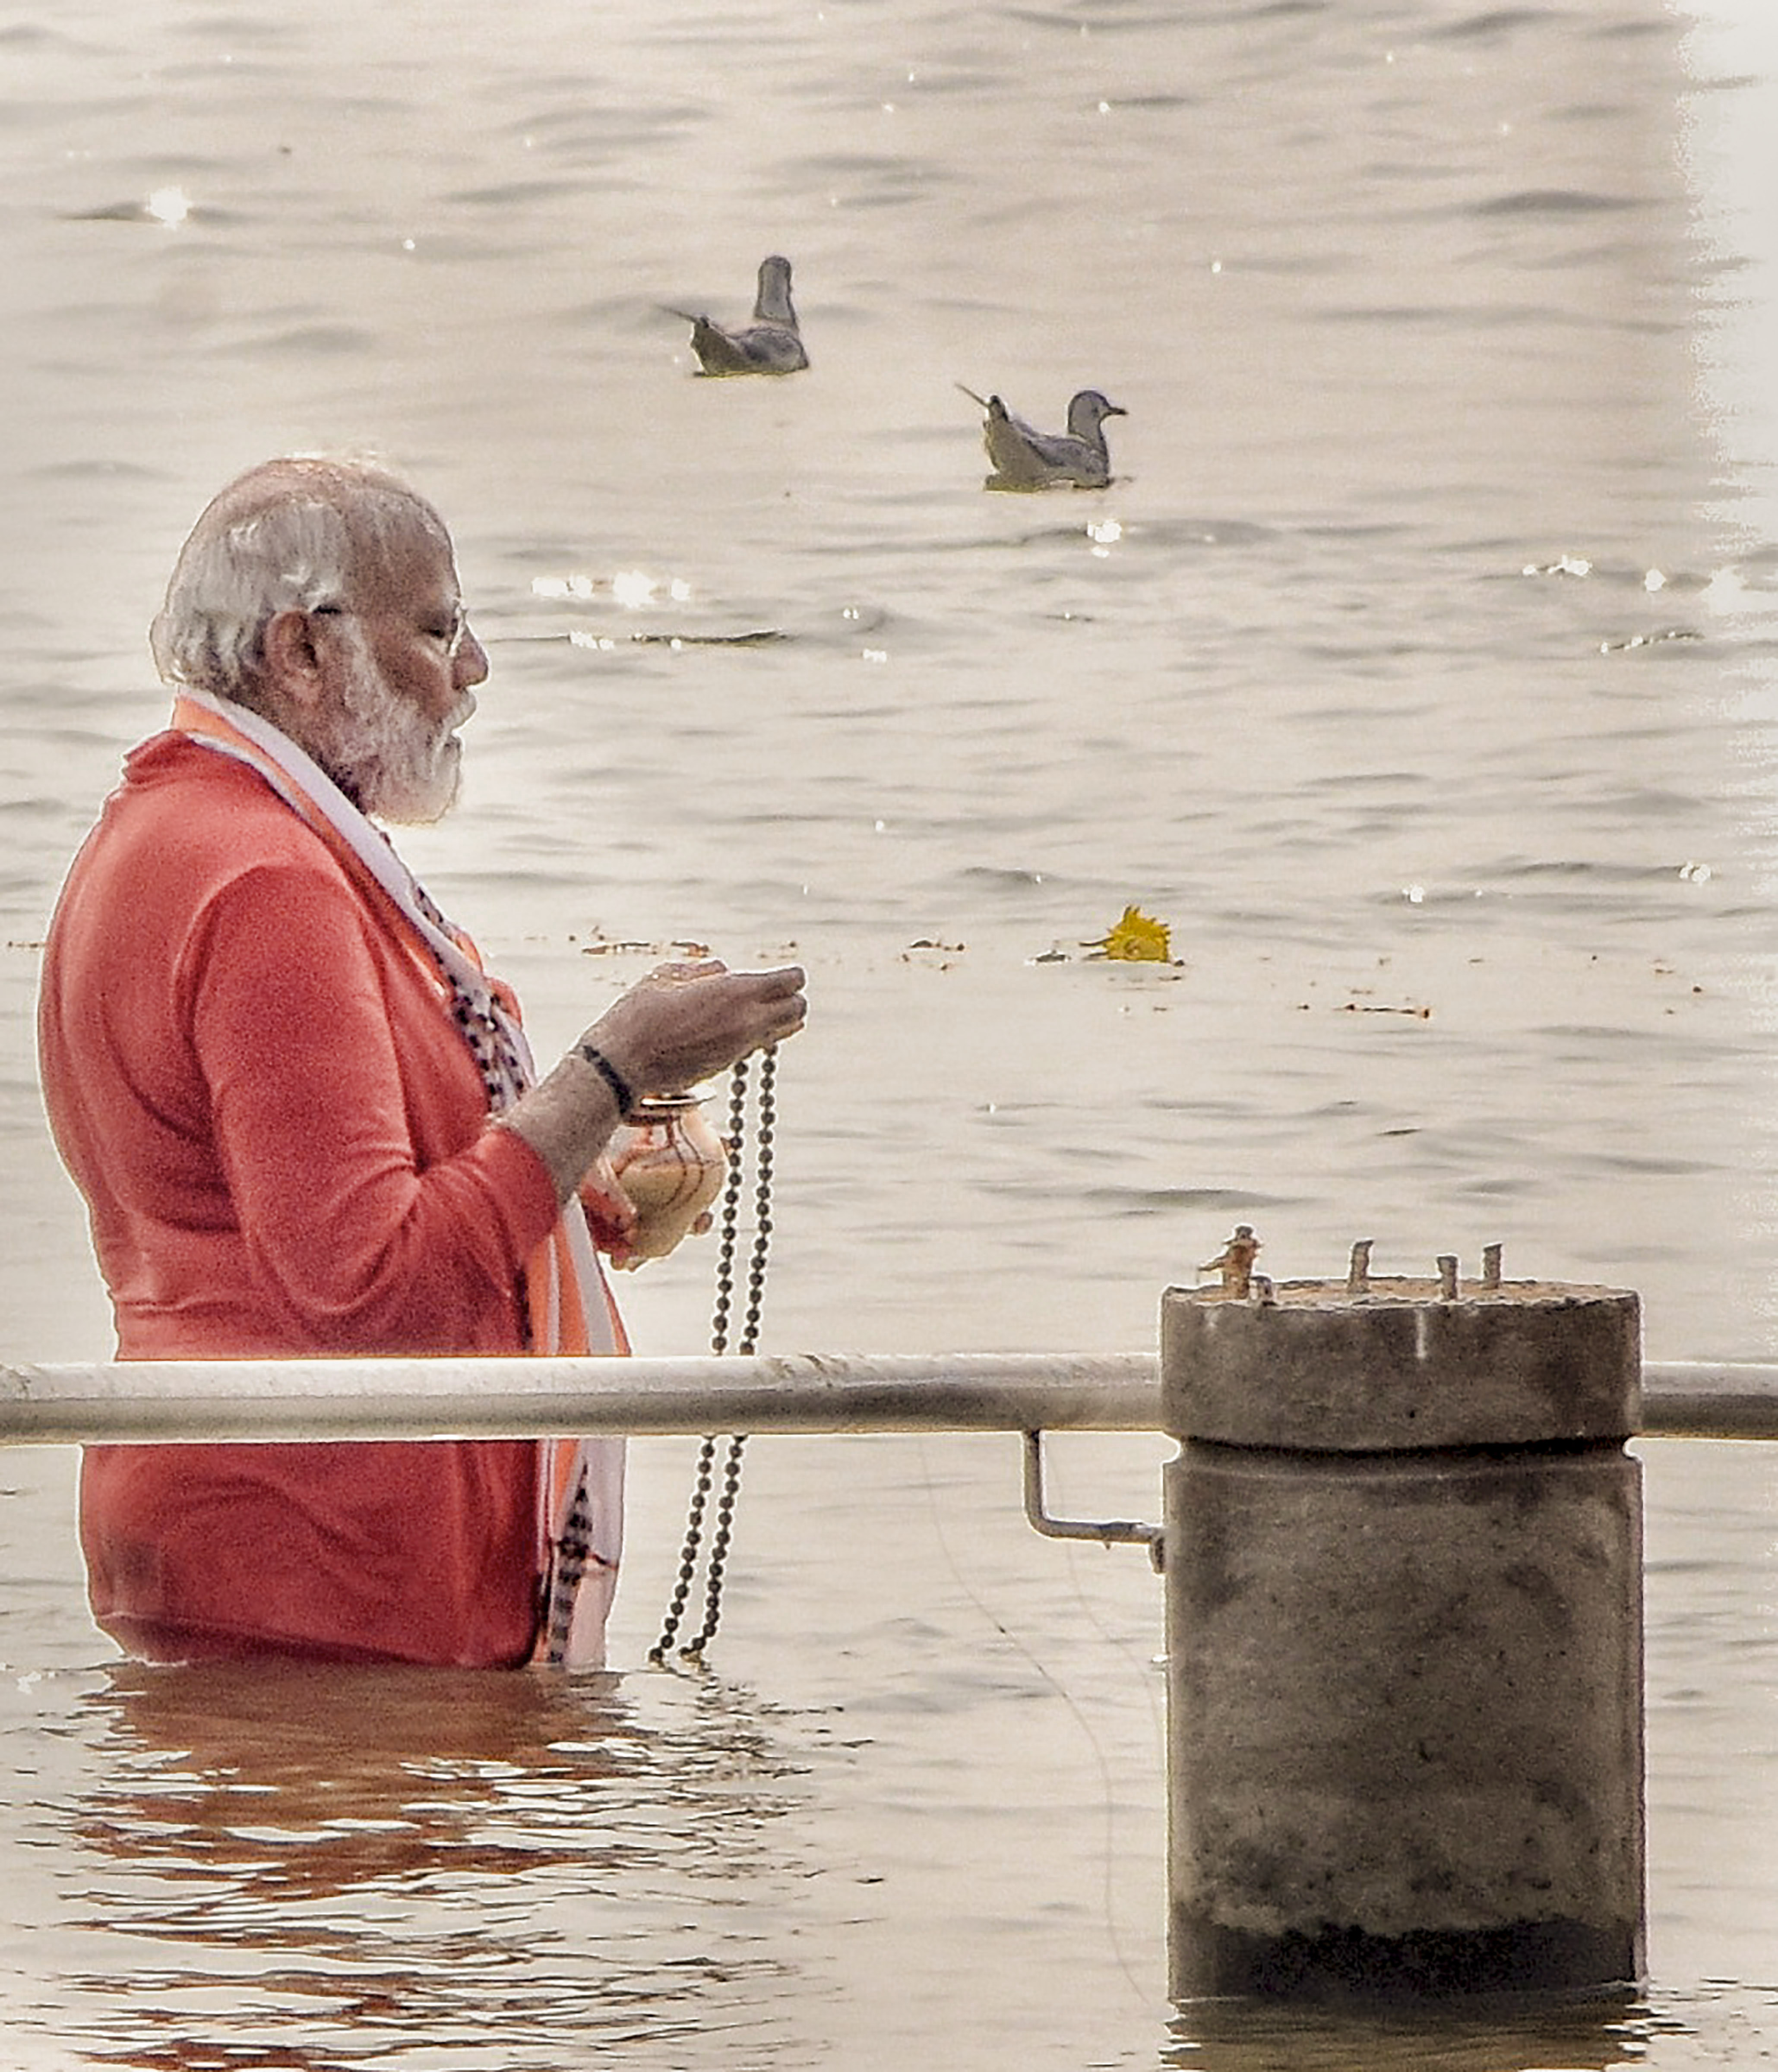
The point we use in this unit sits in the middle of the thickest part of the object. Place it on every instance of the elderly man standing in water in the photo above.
(306, 1120)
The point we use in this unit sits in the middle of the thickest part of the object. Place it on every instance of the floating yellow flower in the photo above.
(1137, 938)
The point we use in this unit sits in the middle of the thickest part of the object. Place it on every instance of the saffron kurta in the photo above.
(283, 1145)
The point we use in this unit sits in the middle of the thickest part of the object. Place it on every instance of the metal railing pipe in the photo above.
(800, 1392)
(1699, 1399)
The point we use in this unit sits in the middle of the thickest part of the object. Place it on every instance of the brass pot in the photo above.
(670, 1162)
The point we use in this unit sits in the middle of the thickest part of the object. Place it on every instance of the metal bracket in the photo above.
(1122, 1532)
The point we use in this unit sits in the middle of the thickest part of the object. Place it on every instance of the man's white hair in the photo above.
(295, 534)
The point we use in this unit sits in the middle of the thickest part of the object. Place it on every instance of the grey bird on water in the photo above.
(770, 344)
(1026, 458)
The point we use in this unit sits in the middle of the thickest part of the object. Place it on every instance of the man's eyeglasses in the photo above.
(451, 639)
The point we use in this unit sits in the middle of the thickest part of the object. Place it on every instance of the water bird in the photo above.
(1026, 458)
(770, 344)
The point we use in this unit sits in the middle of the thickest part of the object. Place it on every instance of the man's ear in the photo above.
(293, 666)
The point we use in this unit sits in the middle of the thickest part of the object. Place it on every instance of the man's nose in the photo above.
(471, 664)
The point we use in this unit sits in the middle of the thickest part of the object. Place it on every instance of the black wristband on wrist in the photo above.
(612, 1077)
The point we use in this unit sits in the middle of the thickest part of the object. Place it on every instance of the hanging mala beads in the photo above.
(688, 1552)
(716, 1567)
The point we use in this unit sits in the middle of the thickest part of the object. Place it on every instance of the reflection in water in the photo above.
(1587, 2034)
(309, 1859)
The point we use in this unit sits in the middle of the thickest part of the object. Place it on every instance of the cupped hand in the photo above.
(687, 1020)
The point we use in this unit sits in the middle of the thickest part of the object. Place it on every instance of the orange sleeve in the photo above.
(374, 1205)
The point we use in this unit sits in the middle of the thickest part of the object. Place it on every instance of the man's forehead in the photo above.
(414, 566)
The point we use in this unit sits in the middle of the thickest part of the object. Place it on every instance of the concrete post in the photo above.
(1403, 1559)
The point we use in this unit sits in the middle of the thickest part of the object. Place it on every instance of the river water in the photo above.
(1417, 669)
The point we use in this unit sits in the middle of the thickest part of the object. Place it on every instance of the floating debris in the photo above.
(759, 636)
(608, 643)
(1636, 641)
(602, 945)
(168, 207)
(930, 954)
(1136, 938)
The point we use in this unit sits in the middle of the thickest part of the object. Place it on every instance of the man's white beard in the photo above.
(383, 751)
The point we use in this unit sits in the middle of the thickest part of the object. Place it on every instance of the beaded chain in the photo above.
(747, 1339)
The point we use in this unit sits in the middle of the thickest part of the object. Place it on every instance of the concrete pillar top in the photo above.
(1388, 1365)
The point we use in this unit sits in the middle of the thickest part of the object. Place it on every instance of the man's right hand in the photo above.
(685, 1022)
